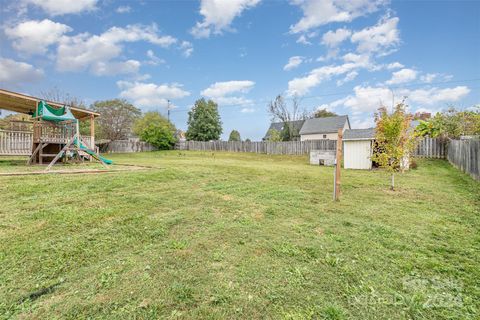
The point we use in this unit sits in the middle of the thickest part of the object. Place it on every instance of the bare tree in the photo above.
(281, 112)
(118, 117)
(55, 94)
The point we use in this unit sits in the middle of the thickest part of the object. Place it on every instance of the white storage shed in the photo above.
(358, 148)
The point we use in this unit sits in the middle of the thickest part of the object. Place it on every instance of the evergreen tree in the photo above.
(204, 122)
(234, 136)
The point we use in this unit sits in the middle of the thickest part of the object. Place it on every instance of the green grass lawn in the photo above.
(245, 236)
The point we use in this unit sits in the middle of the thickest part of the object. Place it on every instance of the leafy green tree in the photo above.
(453, 123)
(395, 140)
(155, 129)
(428, 128)
(248, 140)
(234, 136)
(323, 113)
(204, 122)
(274, 135)
(116, 118)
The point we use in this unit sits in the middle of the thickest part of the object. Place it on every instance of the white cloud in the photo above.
(380, 38)
(61, 7)
(362, 123)
(359, 59)
(141, 77)
(349, 77)
(394, 65)
(293, 62)
(303, 40)
(402, 76)
(96, 52)
(320, 12)
(301, 86)
(136, 32)
(368, 99)
(333, 38)
(14, 72)
(221, 89)
(34, 37)
(432, 96)
(218, 16)
(232, 101)
(222, 92)
(123, 9)
(154, 60)
(148, 95)
(430, 77)
(247, 110)
(187, 48)
(111, 68)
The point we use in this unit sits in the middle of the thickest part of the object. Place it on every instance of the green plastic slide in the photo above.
(93, 154)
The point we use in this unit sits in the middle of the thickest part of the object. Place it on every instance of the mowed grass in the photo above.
(246, 236)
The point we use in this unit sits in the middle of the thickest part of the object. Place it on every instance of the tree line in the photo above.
(120, 120)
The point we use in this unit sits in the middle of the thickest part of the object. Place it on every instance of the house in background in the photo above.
(280, 126)
(323, 128)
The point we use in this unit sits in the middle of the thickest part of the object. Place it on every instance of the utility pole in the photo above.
(338, 165)
(168, 109)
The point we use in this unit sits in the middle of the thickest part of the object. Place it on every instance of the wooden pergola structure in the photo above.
(23, 142)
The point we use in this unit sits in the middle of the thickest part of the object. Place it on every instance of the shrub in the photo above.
(156, 130)
(234, 136)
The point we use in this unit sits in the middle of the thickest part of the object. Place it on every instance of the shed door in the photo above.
(357, 155)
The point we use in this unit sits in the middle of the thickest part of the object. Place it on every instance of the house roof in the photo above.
(324, 125)
(359, 134)
(22, 103)
(297, 124)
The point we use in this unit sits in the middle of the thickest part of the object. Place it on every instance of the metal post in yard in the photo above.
(168, 109)
(338, 164)
(334, 181)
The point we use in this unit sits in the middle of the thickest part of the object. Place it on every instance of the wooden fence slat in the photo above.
(268, 147)
(426, 148)
(127, 146)
(464, 155)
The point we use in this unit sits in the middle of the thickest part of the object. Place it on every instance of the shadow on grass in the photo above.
(38, 293)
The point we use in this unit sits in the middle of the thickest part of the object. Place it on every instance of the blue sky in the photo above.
(347, 56)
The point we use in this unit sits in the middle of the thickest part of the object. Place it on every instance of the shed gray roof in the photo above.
(297, 125)
(324, 125)
(359, 134)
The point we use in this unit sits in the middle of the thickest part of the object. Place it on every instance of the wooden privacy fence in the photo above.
(127, 146)
(14, 143)
(464, 154)
(284, 147)
(431, 148)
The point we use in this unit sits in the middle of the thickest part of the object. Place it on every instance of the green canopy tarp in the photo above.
(49, 113)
